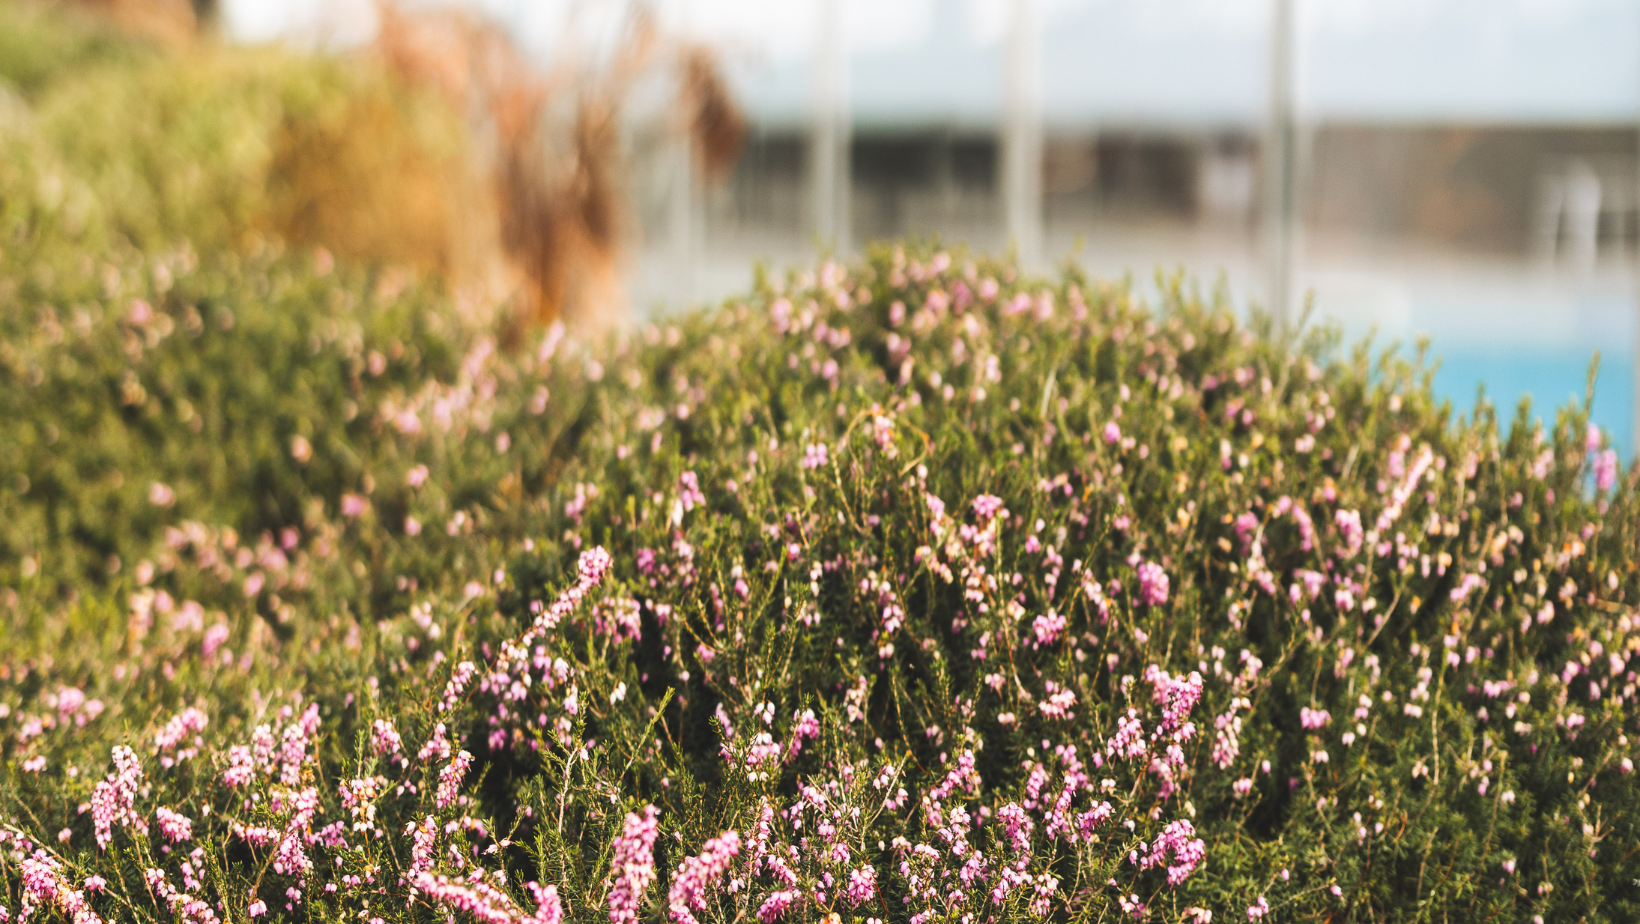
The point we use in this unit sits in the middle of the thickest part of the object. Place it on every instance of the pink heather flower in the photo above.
(358, 796)
(549, 908)
(290, 858)
(804, 725)
(1113, 434)
(1089, 821)
(69, 701)
(1177, 841)
(43, 885)
(697, 874)
(161, 495)
(633, 867)
(1017, 825)
(619, 618)
(459, 678)
(353, 505)
(113, 801)
(862, 885)
(188, 721)
(1404, 488)
(987, 506)
(882, 431)
(1153, 583)
(257, 908)
(1048, 628)
(814, 456)
(300, 449)
(1591, 438)
(1058, 703)
(183, 905)
(449, 779)
(1179, 697)
(488, 904)
(95, 883)
(774, 907)
(1605, 470)
(689, 493)
(936, 507)
(1349, 526)
(241, 766)
(1129, 740)
(594, 564)
(438, 744)
(384, 738)
(215, 637)
(1258, 909)
(423, 849)
(577, 505)
(175, 826)
(1313, 718)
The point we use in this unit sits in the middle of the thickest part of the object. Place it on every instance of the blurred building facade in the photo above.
(927, 145)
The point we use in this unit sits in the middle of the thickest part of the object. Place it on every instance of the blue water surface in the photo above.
(1551, 378)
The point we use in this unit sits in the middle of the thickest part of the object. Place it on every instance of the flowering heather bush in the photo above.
(908, 591)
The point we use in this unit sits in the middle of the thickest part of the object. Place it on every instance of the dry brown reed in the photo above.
(518, 191)
(172, 22)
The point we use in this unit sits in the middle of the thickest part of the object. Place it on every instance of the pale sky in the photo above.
(1167, 61)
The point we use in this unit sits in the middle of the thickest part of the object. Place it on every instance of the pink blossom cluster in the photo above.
(1153, 584)
(590, 569)
(696, 876)
(449, 778)
(487, 903)
(174, 825)
(291, 857)
(1178, 849)
(187, 907)
(632, 869)
(384, 738)
(43, 887)
(189, 721)
(113, 800)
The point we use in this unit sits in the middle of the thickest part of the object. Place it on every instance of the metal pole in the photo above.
(684, 230)
(1279, 162)
(829, 139)
(683, 221)
(1022, 136)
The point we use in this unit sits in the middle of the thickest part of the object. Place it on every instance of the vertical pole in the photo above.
(682, 205)
(682, 220)
(1022, 136)
(1279, 168)
(829, 138)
